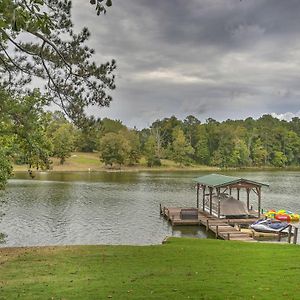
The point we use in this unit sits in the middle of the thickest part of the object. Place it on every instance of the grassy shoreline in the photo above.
(87, 162)
(90, 162)
(180, 269)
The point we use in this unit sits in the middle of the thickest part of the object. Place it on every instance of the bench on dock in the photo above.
(189, 214)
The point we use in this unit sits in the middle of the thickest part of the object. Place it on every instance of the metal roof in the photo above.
(219, 180)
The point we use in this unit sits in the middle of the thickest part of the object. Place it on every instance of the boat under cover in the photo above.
(229, 206)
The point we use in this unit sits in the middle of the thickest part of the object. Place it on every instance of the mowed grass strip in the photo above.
(80, 161)
(179, 269)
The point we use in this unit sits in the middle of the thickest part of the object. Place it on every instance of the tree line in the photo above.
(266, 141)
(30, 135)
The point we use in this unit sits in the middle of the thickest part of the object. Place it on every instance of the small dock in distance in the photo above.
(222, 228)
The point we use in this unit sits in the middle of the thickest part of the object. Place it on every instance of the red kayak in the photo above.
(286, 218)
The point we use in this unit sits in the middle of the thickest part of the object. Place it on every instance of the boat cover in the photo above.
(230, 206)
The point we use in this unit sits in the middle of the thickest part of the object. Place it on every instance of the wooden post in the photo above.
(279, 236)
(160, 210)
(203, 198)
(238, 193)
(207, 225)
(228, 236)
(230, 191)
(248, 198)
(290, 234)
(259, 200)
(210, 200)
(217, 231)
(295, 235)
(219, 208)
(198, 187)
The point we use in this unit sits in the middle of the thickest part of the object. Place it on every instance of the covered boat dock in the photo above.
(219, 212)
(220, 187)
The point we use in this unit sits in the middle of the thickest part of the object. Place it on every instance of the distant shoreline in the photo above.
(90, 162)
(123, 169)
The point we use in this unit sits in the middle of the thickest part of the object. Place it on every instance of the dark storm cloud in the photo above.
(210, 58)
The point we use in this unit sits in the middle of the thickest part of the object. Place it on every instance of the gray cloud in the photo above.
(220, 59)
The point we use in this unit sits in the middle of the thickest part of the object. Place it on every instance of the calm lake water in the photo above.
(115, 208)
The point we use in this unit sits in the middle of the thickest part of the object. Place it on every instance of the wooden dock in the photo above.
(222, 228)
(226, 229)
(216, 190)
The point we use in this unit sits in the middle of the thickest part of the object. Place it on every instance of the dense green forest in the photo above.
(30, 135)
(267, 141)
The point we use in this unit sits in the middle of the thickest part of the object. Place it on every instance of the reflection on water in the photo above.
(192, 231)
(114, 208)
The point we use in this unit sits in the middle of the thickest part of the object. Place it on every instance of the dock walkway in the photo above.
(223, 228)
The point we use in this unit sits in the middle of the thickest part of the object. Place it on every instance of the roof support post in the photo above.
(248, 198)
(203, 197)
(198, 187)
(259, 200)
(238, 193)
(230, 191)
(210, 199)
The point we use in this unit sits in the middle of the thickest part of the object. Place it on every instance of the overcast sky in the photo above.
(209, 58)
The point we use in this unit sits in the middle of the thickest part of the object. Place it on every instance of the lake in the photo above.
(115, 208)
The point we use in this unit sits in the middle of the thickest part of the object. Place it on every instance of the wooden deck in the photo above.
(227, 229)
(222, 228)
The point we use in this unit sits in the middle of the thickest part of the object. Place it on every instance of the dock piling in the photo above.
(279, 236)
(295, 235)
(290, 234)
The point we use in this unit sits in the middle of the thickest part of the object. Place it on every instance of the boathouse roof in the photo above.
(219, 180)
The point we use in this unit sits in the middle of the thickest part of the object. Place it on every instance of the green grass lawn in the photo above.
(179, 269)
